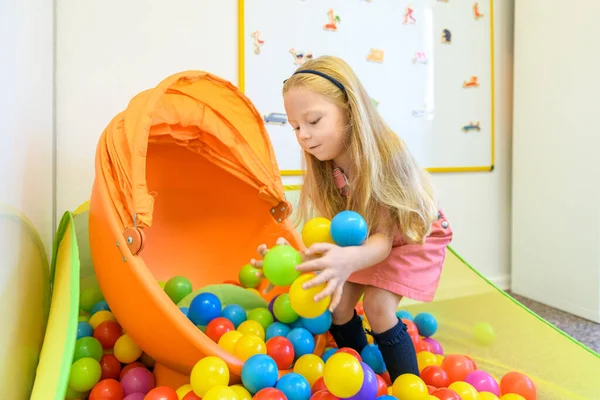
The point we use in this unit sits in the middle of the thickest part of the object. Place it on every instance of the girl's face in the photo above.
(319, 124)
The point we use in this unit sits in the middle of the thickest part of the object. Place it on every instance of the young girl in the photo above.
(355, 161)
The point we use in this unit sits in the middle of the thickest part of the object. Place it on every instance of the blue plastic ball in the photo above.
(302, 341)
(426, 324)
(259, 372)
(277, 329)
(235, 313)
(294, 386)
(328, 353)
(386, 397)
(318, 325)
(185, 310)
(371, 355)
(99, 306)
(84, 329)
(348, 228)
(204, 308)
(403, 314)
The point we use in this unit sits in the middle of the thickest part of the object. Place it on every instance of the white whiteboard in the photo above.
(421, 98)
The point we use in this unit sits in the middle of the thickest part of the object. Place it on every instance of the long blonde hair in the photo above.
(385, 174)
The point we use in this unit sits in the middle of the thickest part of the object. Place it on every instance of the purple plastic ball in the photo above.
(436, 347)
(368, 390)
(137, 380)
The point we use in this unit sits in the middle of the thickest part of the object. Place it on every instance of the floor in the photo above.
(585, 331)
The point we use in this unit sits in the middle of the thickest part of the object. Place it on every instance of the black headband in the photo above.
(329, 78)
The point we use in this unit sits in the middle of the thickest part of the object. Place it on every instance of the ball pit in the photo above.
(278, 349)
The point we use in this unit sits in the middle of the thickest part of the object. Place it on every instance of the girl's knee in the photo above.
(380, 308)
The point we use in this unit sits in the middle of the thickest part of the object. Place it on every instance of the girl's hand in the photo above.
(336, 265)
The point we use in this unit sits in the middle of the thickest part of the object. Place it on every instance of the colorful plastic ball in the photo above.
(328, 353)
(302, 300)
(426, 359)
(107, 333)
(318, 325)
(228, 340)
(177, 288)
(282, 309)
(386, 397)
(218, 327)
(302, 340)
(518, 383)
(261, 315)
(371, 355)
(99, 306)
(249, 276)
(85, 373)
(324, 395)
(409, 386)
(162, 393)
(250, 327)
(490, 396)
(512, 396)
(248, 346)
(282, 351)
(434, 345)
(107, 389)
(343, 375)
(349, 228)
(426, 324)
(89, 297)
(126, 350)
(369, 388)
(465, 390)
(220, 392)
(434, 375)
(258, 372)
(311, 367)
(137, 380)
(101, 316)
(242, 392)
(87, 347)
(316, 230)
(277, 329)
(84, 329)
(483, 382)
(184, 310)
(207, 373)
(382, 386)
(279, 265)
(183, 390)
(403, 314)
(457, 366)
(269, 394)
(294, 386)
(235, 313)
(129, 367)
(445, 394)
(204, 308)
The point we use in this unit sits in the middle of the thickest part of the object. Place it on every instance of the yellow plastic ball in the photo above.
(251, 327)
(316, 230)
(409, 387)
(208, 373)
(439, 359)
(425, 359)
(229, 339)
(183, 390)
(343, 375)
(220, 392)
(484, 334)
(126, 350)
(101, 316)
(302, 301)
(465, 390)
(310, 366)
(242, 392)
(487, 396)
(512, 396)
(249, 345)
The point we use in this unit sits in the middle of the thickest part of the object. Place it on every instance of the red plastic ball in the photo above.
(107, 333)
(280, 349)
(111, 367)
(382, 387)
(161, 393)
(435, 375)
(457, 366)
(218, 327)
(446, 394)
(318, 385)
(269, 394)
(323, 395)
(191, 396)
(107, 389)
(351, 352)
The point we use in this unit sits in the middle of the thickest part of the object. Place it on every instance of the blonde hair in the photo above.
(385, 173)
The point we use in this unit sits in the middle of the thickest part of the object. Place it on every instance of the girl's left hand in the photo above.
(336, 265)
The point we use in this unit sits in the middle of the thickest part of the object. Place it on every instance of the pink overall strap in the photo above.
(341, 181)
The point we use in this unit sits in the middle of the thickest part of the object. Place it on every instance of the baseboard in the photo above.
(502, 282)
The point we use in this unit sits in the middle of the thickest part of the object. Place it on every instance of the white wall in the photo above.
(110, 50)
(26, 187)
(556, 217)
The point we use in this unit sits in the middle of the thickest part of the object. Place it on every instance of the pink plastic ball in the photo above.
(483, 382)
(137, 380)
(135, 396)
(436, 347)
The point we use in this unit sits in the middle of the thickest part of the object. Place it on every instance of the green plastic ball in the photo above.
(177, 288)
(249, 276)
(261, 315)
(283, 309)
(85, 373)
(88, 347)
(279, 265)
(484, 334)
(89, 297)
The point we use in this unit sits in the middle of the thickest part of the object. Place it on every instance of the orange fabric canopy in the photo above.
(196, 109)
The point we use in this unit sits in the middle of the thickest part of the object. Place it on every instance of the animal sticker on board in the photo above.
(333, 21)
(420, 57)
(257, 41)
(472, 126)
(423, 113)
(409, 18)
(477, 14)
(471, 83)
(446, 36)
(375, 55)
(300, 57)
